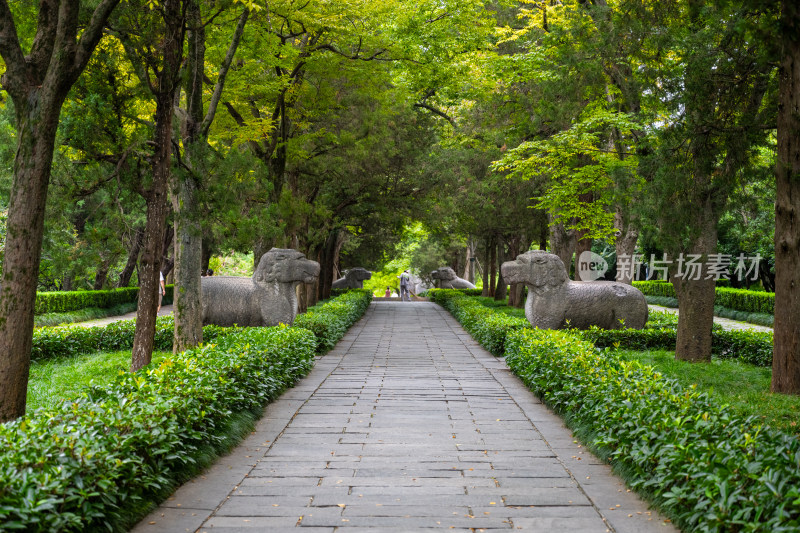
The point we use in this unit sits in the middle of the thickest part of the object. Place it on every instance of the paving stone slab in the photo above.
(406, 425)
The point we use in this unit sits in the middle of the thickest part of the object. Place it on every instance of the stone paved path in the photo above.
(406, 425)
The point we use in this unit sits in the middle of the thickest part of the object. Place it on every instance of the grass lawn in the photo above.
(62, 378)
(744, 387)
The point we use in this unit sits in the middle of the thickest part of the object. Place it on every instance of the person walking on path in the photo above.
(162, 290)
(405, 281)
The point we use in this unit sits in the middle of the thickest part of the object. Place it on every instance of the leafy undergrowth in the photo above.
(82, 315)
(52, 381)
(101, 460)
(744, 387)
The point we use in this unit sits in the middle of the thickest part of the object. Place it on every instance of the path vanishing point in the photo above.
(407, 425)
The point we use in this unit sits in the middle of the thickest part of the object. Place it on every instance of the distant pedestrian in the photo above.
(162, 289)
(210, 272)
(388, 293)
(405, 283)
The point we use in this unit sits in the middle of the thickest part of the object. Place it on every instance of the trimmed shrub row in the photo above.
(490, 328)
(752, 347)
(734, 299)
(66, 301)
(85, 464)
(330, 320)
(73, 340)
(705, 467)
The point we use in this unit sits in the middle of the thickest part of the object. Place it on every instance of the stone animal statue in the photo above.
(553, 299)
(266, 299)
(353, 279)
(445, 278)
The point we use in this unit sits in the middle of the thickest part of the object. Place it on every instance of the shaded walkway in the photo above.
(407, 424)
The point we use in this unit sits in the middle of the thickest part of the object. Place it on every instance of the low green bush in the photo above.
(705, 467)
(752, 347)
(656, 288)
(489, 327)
(71, 340)
(745, 300)
(742, 300)
(82, 315)
(84, 465)
(330, 320)
(66, 301)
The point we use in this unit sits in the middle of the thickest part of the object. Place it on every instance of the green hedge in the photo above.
(752, 347)
(84, 465)
(490, 328)
(330, 320)
(65, 301)
(734, 299)
(73, 340)
(744, 300)
(706, 468)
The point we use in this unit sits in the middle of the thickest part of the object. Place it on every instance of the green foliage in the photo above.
(753, 347)
(82, 315)
(707, 468)
(746, 388)
(330, 320)
(66, 301)
(745, 300)
(576, 162)
(49, 342)
(735, 299)
(81, 465)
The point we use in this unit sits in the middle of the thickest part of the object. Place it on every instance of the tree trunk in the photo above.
(207, 252)
(500, 289)
(492, 266)
(486, 266)
(583, 245)
(625, 247)
(696, 299)
(329, 258)
(187, 304)
(786, 347)
(36, 127)
(157, 203)
(563, 243)
(188, 307)
(38, 84)
(101, 276)
(133, 259)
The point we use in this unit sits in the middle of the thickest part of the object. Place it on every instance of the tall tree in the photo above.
(786, 350)
(185, 194)
(38, 83)
(154, 41)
